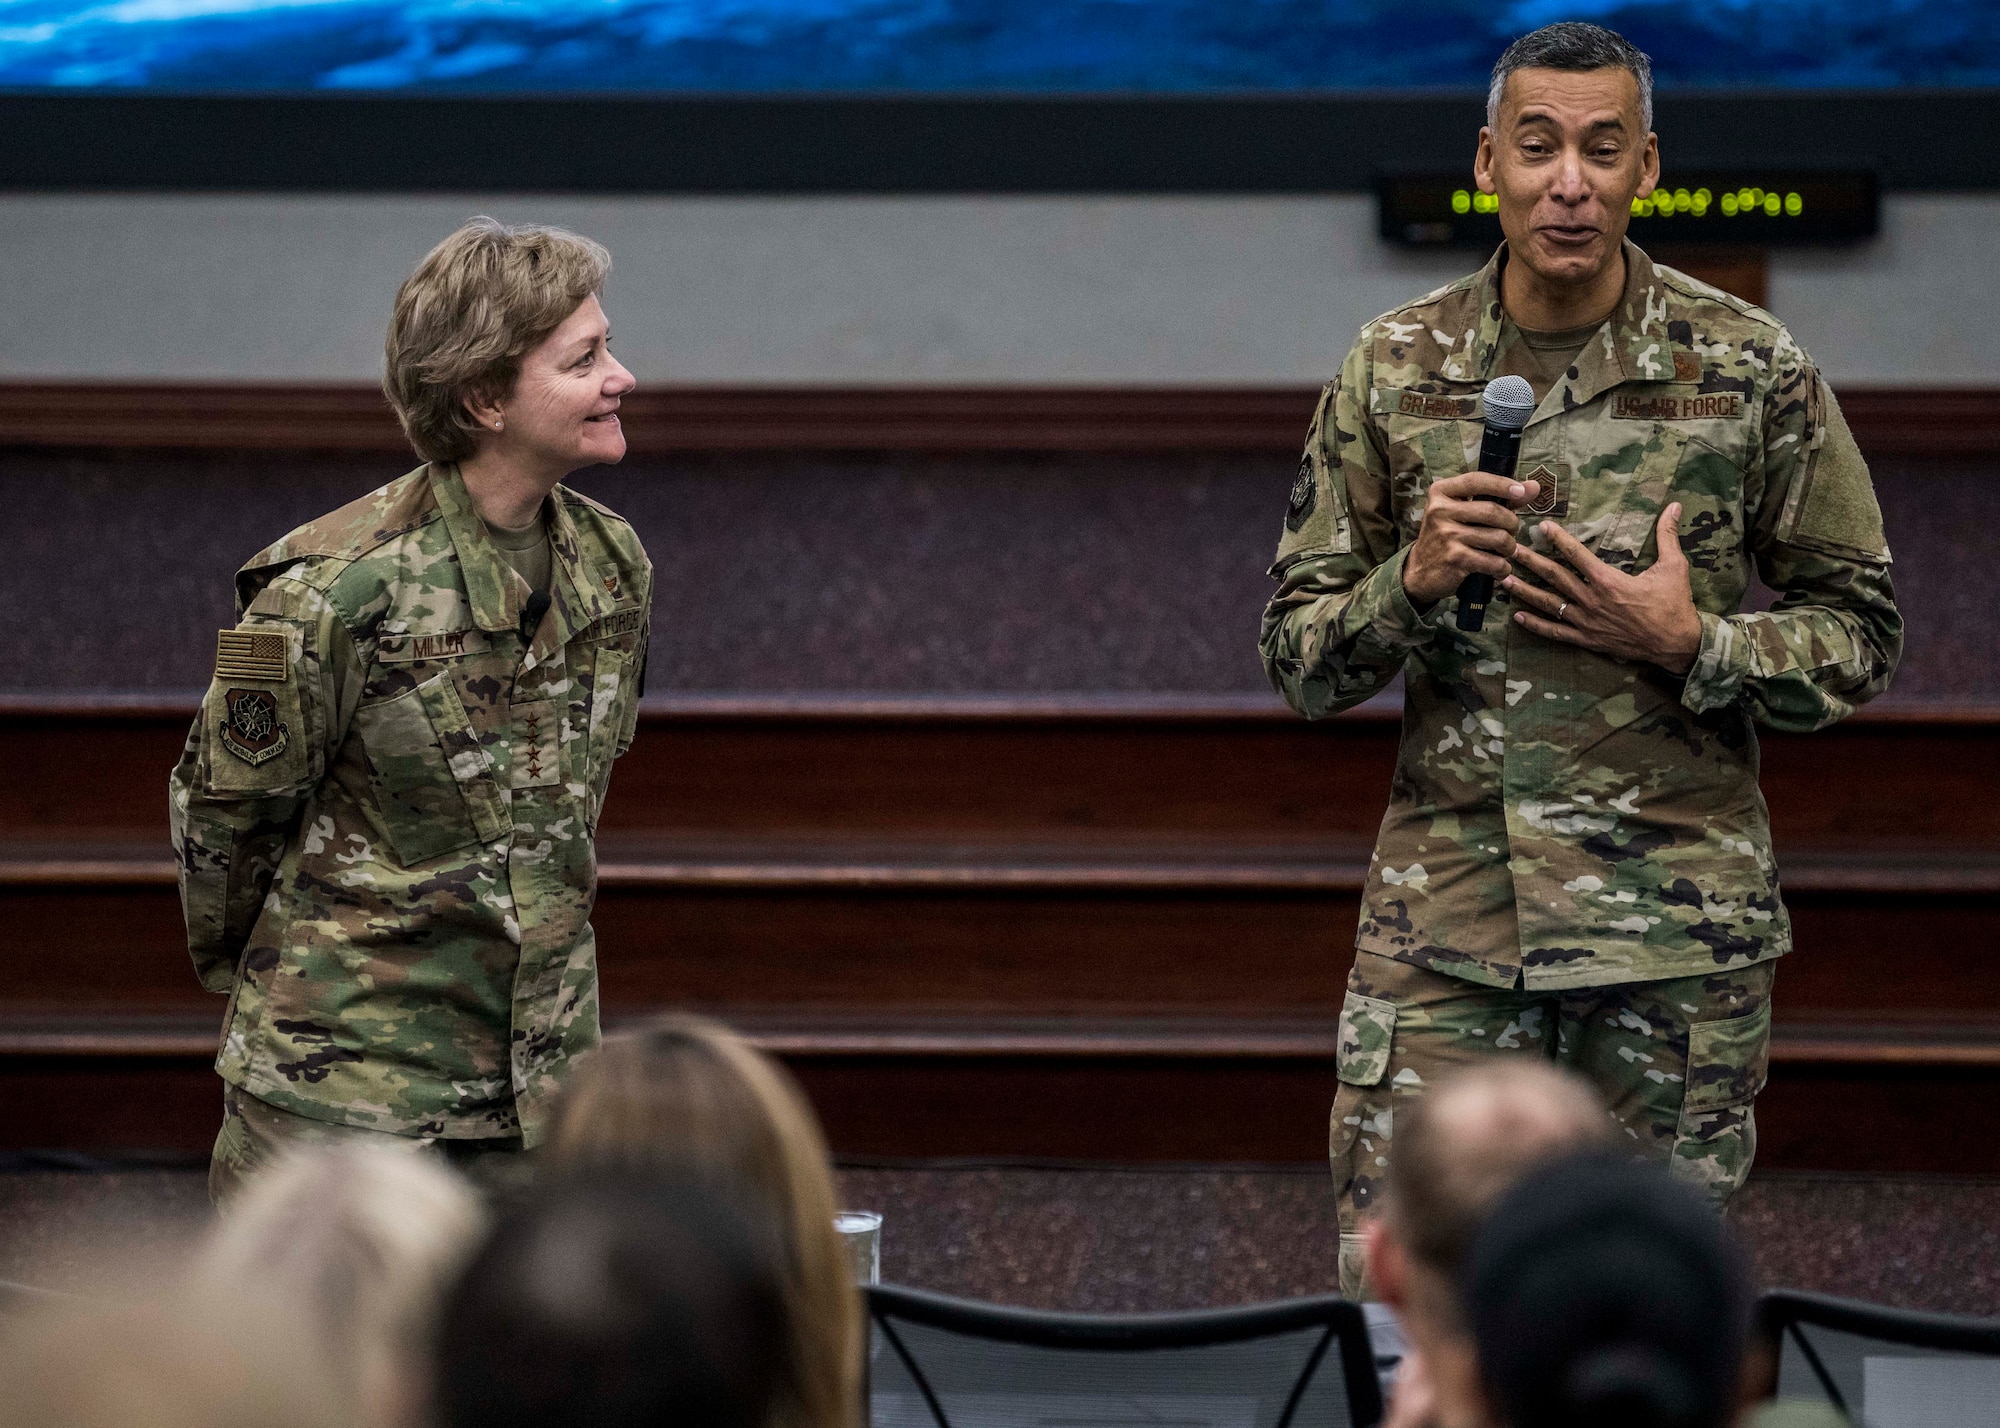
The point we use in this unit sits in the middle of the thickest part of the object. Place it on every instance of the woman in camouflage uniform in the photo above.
(385, 812)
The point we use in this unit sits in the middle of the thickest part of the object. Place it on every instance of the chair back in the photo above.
(1883, 1367)
(938, 1362)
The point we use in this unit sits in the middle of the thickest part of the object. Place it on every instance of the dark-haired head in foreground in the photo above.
(1602, 1293)
(615, 1303)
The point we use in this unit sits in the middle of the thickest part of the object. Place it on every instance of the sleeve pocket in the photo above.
(1728, 1061)
(1367, 1027)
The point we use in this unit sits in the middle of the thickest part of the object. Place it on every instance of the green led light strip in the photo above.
(1665, 203)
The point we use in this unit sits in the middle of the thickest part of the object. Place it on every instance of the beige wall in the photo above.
(879, 290)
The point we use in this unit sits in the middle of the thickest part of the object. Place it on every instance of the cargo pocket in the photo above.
(1367, 1026)
(1361, 1060)
(433, 784)
(1360, 1125)
(1728, 1062)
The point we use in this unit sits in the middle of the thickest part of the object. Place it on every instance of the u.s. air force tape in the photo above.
(247, 655)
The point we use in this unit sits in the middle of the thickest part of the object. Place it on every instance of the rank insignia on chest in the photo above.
(252, 731)
(1553, 498)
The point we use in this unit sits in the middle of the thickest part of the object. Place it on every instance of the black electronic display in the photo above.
(1764, 208)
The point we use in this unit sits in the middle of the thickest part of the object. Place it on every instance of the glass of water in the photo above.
(861, 1233)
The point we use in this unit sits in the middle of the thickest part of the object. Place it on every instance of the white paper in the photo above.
(1900, 1391)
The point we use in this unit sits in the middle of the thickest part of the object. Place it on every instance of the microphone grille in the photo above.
(1510, 401)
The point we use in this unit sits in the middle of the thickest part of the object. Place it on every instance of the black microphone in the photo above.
(538, 606)
(1510, 401)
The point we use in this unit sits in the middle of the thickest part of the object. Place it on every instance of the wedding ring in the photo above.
(1559, 611)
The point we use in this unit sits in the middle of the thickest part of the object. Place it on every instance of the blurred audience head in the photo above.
(346, 1250)
(692, 1097)
(1461, 1147)
(1605, 1293)
(616, 1301)
(1454, 1153)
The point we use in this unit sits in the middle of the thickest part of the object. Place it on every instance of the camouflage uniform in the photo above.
(385, 812)
(1570, 837)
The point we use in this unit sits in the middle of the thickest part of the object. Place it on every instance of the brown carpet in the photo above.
(1113, 1240)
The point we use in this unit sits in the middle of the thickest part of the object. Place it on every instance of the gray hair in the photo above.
(1576, 46)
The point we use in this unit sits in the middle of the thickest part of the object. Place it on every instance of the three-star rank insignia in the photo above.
(1305, 495)
(252, 731)
(1552, 499)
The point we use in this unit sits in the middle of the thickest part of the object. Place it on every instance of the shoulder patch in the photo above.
(1305, 495)
(252, 729)
(252, 656)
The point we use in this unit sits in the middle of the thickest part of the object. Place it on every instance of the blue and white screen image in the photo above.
(960, 46)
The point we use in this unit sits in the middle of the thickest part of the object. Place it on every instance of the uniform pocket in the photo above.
(1367, 1027)
(609, 702)
(433, 784)
(1728, 1061)
(1716, 1139)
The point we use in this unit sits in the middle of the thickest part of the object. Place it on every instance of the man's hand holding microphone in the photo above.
(1469, 529)
(1470, 538)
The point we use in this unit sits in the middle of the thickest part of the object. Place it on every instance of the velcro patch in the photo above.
(1687, 367)
(1553, 497)
(618, 622)
(1702, 406)
(252, 731)
(537, 755)
(446, 644)
(256, 657)
(1401, 401)
(1305, 492)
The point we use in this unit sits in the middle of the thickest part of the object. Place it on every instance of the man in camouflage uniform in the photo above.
(384, 815)
(1576, 860)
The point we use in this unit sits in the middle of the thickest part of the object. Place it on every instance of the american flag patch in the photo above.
(247, 655)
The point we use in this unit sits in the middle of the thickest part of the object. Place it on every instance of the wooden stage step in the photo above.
(1849, 1097)
(1093, 928)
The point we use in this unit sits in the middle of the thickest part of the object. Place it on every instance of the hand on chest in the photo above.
(1606, 467)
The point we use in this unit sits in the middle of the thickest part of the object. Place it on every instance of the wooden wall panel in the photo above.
(1095, 928)
(1886, 421)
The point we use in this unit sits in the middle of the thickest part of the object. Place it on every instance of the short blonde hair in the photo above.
(688, 1094)
(351, 1247)
(478, 303)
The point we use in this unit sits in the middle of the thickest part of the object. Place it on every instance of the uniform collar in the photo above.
(1631, 346)
(576, 596)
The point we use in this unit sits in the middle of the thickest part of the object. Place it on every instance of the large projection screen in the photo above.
(858, 95)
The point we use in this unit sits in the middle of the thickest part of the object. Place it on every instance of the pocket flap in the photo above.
(1367, 1026)
(1728, 1060)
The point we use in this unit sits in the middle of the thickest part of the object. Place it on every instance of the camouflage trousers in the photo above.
(1679, 1062)
(255, 1133)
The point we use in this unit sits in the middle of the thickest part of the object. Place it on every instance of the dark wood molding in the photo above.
(1913, 1043)
(842, 707)
(1002, 865)
(1921, 422)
